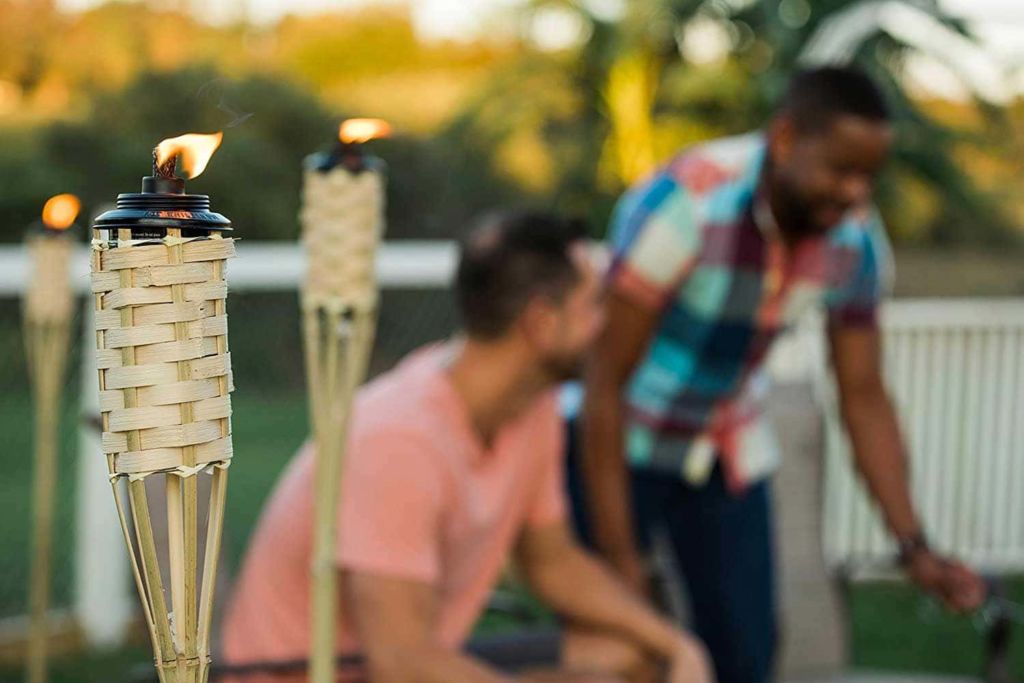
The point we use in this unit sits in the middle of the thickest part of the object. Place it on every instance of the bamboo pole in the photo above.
(164, 378)
(47, 327)
(342, 221)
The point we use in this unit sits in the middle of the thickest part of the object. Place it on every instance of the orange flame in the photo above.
(355, 131)
(60, 211)
(192, 149)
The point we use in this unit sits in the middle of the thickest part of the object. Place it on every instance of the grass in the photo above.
(267, 432)
(895, 629)
(892, 628)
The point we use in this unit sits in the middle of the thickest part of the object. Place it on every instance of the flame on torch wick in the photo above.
(60, 211)
(355, 131)
(193, 150)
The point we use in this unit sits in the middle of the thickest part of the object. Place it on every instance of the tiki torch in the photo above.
(47, 324)
(158, 264)
(342, 220)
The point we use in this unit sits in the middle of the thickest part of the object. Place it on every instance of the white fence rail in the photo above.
(270, 266)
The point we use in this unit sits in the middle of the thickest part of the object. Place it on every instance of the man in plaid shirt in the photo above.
(713, 257)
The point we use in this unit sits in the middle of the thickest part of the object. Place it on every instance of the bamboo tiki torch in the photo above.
(47, 326)
(158, 266)
(342, 220)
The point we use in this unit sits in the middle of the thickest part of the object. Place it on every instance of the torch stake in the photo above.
(47, 327)
(337, 354)
(164, 378)
(342, 218)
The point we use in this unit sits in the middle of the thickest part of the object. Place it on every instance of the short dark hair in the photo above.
(816, 97)
(508, 258)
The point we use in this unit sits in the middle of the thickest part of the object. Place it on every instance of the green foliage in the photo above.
(481, 124)
(768, 41)
(435, 185)
(254, 178)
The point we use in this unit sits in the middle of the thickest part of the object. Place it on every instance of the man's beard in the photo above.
(563, 367)
(793, 213)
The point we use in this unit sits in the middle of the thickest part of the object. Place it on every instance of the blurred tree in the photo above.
(24, 31)
(801, 33)
(435, 184)
(490, 121)
(254, 177)
(667, 73)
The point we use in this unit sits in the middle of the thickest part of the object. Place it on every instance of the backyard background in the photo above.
(558, 104)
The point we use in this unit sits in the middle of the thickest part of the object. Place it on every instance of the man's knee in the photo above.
(591, 652)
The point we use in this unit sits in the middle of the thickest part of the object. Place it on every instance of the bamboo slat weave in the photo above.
(47, 311)
(48, 297)
(164, 381)
(161, 337)
(342, 220)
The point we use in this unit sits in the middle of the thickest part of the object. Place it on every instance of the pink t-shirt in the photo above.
(422, 499)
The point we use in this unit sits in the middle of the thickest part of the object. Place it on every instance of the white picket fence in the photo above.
(956, 372)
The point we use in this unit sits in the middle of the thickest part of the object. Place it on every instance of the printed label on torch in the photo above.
(185, 215)
(182, 215)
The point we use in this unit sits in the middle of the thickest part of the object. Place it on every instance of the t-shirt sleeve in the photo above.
(549, 503)
(654, 239)
(856, 302)
(391, 506)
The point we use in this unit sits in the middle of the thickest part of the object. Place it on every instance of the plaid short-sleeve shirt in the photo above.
(685, 243)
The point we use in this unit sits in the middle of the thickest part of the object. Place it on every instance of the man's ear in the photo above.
(781, 138)
(538, 322)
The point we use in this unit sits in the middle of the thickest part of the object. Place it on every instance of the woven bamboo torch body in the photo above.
(47, 316)
(342, 220)
(158, 277)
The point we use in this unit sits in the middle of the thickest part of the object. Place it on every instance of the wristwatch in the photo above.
(910, 546)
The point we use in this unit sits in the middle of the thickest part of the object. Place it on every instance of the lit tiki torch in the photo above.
(342, 220)
(164, 378)
(47, 324)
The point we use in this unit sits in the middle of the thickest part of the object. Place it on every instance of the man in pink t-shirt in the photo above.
(454, 467)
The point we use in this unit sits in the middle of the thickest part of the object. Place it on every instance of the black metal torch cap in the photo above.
(349, 156)
(163, 204)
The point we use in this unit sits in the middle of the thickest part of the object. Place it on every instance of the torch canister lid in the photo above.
(162, 204)
(346, 156)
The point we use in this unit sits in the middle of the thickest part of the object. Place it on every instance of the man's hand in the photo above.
(959, 588)
(690, 664)
(583, 592)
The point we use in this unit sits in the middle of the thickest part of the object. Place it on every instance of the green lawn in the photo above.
(893, 628)
(266, 434)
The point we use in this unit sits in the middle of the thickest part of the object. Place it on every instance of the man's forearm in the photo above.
(605, 472)
(881, 457)
(582, 590)
(429, 664)
(432, 664)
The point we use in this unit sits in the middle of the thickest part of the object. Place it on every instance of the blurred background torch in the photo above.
(158, 268)
(47, 314)
(342, 219)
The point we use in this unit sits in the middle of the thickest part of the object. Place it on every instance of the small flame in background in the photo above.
(60, 211)
(355, 131)
(192, 149)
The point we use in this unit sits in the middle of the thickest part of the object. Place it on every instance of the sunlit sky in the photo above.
(997, 70)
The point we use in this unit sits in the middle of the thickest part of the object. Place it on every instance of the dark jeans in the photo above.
(722, 545)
